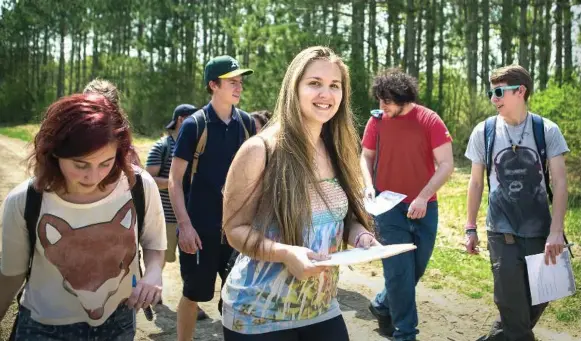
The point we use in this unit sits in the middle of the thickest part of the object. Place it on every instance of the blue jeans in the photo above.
(402, 272)
(120, 326)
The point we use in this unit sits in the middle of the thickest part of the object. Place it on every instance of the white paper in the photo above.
(384, 202)
(360, 255)
(550, 282)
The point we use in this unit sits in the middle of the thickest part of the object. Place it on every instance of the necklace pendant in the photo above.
(514, 147)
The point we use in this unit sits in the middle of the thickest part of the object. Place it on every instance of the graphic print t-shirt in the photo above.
(85, 254)
(518, 202)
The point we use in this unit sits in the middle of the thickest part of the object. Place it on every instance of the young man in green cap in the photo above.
(198, 204)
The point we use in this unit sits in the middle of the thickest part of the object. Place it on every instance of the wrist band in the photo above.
(361, 234)
(471, 231)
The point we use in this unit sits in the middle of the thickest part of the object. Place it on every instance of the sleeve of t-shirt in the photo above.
(154, 235)
(154, 155)
(15, 245)
(475, 148)
(187, 140)
(556, 144)
(439, 133)
(370, 134)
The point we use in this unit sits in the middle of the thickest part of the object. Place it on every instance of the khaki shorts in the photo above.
(172, 242)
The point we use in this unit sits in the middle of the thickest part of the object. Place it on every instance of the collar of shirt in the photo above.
(213, 117)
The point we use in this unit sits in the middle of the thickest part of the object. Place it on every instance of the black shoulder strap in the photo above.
(165, 152)
(489, 136)
(31, 215)
(138, 195)
(539, 135)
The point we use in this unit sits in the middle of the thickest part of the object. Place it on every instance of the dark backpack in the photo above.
(32, 213)
(539, 136)
(165, 153)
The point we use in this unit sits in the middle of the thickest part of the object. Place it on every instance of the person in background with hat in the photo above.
(198, 206)
(158, 164)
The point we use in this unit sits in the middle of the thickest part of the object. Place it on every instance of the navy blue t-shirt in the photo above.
(204, 196)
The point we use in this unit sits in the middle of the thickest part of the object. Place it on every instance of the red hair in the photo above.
(75, 126)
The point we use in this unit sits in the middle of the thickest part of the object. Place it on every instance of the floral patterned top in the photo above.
(261, 297)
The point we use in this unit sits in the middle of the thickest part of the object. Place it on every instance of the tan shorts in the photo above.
(172, 242)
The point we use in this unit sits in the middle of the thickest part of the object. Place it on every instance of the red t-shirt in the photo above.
(405, 159)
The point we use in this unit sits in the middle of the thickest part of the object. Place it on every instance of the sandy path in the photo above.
(444, 315)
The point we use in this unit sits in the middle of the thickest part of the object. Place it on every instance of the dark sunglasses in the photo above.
(499, 91)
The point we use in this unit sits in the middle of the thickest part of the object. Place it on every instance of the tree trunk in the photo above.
(373, 36)
(95, 65)
(441, 76)
(545, 50)
(567, 43)
(71, 62)
(534, 34)
(559, 43)
(360, 101)
(506, 29)
(394, 27)
(485, 11)
(418, 56)
(431, 24)
(84, 77)
(523, 53)
(60, 90)
(410, 38)
(78, 64)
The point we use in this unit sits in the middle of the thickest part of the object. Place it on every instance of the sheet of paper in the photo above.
(359, 255)
(550, 282)
(384, 202)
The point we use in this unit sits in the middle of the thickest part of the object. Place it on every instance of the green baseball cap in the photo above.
(223, 67)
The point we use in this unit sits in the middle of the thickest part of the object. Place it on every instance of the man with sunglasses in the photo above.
(518, 220)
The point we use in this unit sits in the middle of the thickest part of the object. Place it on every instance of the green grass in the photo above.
(450, 266)
(22, 132)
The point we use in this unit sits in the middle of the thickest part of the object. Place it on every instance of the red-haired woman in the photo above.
(84, 281)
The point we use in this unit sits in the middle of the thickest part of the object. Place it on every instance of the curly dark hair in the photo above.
(394, 85)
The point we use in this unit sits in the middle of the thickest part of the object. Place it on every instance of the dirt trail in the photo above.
(444, 315)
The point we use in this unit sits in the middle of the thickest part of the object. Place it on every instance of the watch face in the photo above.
(377, 113)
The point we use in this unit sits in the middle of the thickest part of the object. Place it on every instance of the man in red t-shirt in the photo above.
(406, 149)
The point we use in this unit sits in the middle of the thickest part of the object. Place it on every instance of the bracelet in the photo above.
(361, 234)
(471, 231)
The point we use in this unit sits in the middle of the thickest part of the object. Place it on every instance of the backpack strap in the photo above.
(165, 153)
(201, 137)
(31, 215)
(539, 135)
(247, 122)
(138, 195)
(489, 136)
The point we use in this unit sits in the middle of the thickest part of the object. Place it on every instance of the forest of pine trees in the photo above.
(155, 51)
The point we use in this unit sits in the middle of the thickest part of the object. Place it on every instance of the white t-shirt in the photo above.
(85, 254)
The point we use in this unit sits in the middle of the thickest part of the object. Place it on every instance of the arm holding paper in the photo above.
(554, 245)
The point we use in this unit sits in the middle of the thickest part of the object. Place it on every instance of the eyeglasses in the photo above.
(499, 91)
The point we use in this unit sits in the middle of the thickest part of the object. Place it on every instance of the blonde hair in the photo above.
(290, 171)
(105, 88)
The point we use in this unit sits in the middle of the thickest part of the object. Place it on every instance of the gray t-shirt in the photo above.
(517, 202)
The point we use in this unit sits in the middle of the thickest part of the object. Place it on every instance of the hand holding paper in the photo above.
(384, 202)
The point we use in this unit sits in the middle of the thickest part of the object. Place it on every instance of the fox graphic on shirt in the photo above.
(92, 259)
